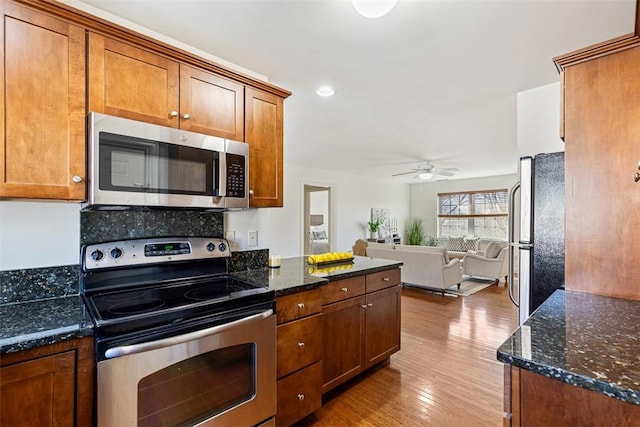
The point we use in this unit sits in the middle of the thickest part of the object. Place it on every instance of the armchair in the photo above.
(493, 264)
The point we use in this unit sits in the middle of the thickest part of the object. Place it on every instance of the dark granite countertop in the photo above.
(295, 275)
(31, 324)
(586, 340)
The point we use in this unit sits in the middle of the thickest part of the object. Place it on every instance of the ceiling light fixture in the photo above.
(325, 91)
(425, 175)
(373, 8)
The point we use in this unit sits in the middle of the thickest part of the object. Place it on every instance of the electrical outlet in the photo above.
(231, 238)
(253, 238)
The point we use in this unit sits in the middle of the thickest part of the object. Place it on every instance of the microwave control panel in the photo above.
(235, 176)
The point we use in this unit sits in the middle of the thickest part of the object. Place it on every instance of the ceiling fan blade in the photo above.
(449, 169)
(403, 173)
(444, 173)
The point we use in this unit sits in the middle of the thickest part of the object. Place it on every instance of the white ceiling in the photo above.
(432, 80)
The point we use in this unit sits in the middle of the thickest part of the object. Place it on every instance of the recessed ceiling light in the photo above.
(325, 91)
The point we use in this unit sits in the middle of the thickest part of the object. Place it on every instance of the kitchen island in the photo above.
(575, 361)
(335, 321)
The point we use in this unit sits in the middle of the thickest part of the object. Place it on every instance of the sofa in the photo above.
(423, 266)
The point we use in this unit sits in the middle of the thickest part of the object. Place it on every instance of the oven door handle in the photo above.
(180, 339)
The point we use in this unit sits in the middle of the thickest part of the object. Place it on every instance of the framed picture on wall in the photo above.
(383, 216)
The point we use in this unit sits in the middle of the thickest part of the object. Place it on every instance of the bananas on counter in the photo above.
(329, 257)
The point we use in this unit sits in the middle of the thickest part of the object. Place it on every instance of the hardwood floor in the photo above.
(446, 373)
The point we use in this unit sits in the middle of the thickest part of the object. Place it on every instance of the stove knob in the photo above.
(116, 253)
(222, 246)
(211, 247)
(97, 255)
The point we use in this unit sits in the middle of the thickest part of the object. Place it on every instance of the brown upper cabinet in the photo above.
(601, 86)
(134, 83)
(43, 101)
(60, 63)
(264, 134)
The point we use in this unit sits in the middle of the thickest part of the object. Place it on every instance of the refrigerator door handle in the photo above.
(512, 242)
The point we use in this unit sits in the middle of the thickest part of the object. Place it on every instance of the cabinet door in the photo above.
(43, 103)
(210, 104)
(382, 325)
(343, 336)
(264, 134)
(129, 82)
(39, 392)
(602, 130)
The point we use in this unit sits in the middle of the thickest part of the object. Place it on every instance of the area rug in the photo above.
(469, 286)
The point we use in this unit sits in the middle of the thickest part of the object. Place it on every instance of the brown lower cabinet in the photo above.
(299, 354)
(534, 400)
(48, 386)
(361, 324)
(330, 334)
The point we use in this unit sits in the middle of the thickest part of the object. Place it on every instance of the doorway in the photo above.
(318, 222)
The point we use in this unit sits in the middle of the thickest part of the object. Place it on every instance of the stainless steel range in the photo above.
(179, 342)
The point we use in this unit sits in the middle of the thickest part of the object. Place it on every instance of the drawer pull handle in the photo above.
(370, 304)
(386, 279)
(301, 306)
(343, 289)
(364, 306)
(636, 177)
(301, 345)
(301, 397)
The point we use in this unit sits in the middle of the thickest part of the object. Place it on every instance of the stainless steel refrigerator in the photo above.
(537, 207)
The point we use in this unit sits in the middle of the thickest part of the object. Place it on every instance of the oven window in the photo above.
(146, 166)
(198, 388)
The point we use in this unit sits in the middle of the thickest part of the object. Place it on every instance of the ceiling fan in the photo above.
(427, 171)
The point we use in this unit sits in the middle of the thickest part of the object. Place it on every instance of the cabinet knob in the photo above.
(173, 114)
(301, 306)
(636, 177)
(344, 289)
(77, 179)
(186, 116)
(386, 279)
(301, 397)
(301, 345)
(370, 304)
(251, 192)
(364, 306)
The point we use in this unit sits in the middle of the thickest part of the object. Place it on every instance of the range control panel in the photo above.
(147, 251)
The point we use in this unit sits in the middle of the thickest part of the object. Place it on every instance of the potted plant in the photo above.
(373, 228)
(415, 233)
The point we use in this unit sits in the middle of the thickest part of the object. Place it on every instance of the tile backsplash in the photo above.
(104, 226)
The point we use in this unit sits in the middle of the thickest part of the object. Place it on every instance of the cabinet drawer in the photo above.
(299, 344)
(295, 306)
(299, 395)
(342, 289)
(382, 280)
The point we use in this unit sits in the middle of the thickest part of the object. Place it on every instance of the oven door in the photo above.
(218, 376)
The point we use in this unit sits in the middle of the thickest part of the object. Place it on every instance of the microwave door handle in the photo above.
(222, 175)
(181, 339)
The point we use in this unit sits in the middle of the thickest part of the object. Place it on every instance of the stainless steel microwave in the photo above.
(132, 163)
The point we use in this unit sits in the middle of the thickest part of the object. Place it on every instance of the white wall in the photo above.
(280, 229)
(39, 234)
(539, 121)
(424, 196)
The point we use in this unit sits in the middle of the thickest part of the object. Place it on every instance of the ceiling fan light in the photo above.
(425, 175)
(373, 8)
